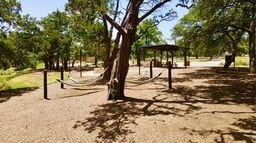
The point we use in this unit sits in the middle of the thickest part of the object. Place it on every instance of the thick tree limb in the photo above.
(242, 28)
(152, 10)
(113, 23)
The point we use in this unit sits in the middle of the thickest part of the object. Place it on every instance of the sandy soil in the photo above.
(205, 105)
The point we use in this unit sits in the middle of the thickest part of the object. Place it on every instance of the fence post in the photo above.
(45, 84)
(170, 75)
(62, 77)
(151, 70)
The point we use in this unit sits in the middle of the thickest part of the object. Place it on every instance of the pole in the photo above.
(170, 75)
(172, 59)
(62, 76)
(45, 84)
(151, 70)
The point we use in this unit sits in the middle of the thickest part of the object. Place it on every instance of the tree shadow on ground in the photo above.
(224, 84)
(243, 130)
(229, 87)
(113, 121)
(5, 95)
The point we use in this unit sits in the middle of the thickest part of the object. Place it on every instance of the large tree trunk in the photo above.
(252, 47)
(120, 70)
(121, 64)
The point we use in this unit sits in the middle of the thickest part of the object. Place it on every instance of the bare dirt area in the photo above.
(205, 105)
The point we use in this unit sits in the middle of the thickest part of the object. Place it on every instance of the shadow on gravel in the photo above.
(226, 87)
(5, 95)
(243, 130)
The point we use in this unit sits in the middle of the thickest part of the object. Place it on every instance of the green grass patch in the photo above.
(26, 79)
(242, 61)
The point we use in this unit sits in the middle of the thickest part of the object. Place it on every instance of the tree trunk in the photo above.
(252, 47)
(121, 64)
(58, 63)
(120, 70)
(65, 64)
(109, 61)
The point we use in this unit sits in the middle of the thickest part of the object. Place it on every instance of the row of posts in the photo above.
(169, 73)
(45, 82)
(62, 77)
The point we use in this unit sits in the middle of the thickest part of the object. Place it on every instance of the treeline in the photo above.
(59, 38)
(214, 26)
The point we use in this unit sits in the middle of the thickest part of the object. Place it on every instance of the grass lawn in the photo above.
(11, 79)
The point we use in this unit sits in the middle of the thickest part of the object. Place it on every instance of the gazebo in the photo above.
(162, 48)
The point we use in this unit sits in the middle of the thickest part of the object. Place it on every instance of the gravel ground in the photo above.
(205, 105)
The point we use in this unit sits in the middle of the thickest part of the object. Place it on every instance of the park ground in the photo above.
(205, 105)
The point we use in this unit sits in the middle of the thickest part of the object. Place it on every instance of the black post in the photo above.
(62, 77)
(45, 84)
(172, 59)
(170, 75)
(151, 70)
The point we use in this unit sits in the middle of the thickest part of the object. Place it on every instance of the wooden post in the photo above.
(154, 58)
(45, 84)
(151, 70)
(172, 59)
(170, 75)
(62, 76)
(161, 57)
(167, 57)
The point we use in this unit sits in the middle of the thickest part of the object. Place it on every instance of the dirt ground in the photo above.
(205, 105)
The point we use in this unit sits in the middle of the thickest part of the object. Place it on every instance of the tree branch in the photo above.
(113, 23)
(152, 10)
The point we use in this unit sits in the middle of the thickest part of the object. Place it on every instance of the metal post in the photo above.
(45, 84)
(62, 76)
(170, 75)
(151, 70)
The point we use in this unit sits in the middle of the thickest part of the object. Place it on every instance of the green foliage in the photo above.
(147, 34)
(213, 26)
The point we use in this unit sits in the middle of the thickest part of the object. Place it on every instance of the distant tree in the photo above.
(147, 34)
(55, 32)
(9, 12)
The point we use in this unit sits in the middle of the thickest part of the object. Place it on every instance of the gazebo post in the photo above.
(167, 58)
(161, 57)
(172, 58)
(170, 75)
(154, 58)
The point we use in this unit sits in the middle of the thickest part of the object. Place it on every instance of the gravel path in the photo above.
(205, 105)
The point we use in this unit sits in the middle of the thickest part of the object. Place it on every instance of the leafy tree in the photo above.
(9, 13)
(223, 24)
(55, 32)
(147, 34)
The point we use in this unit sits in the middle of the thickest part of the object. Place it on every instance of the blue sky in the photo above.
(41, 8)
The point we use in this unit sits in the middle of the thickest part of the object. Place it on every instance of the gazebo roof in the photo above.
(163, 47)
